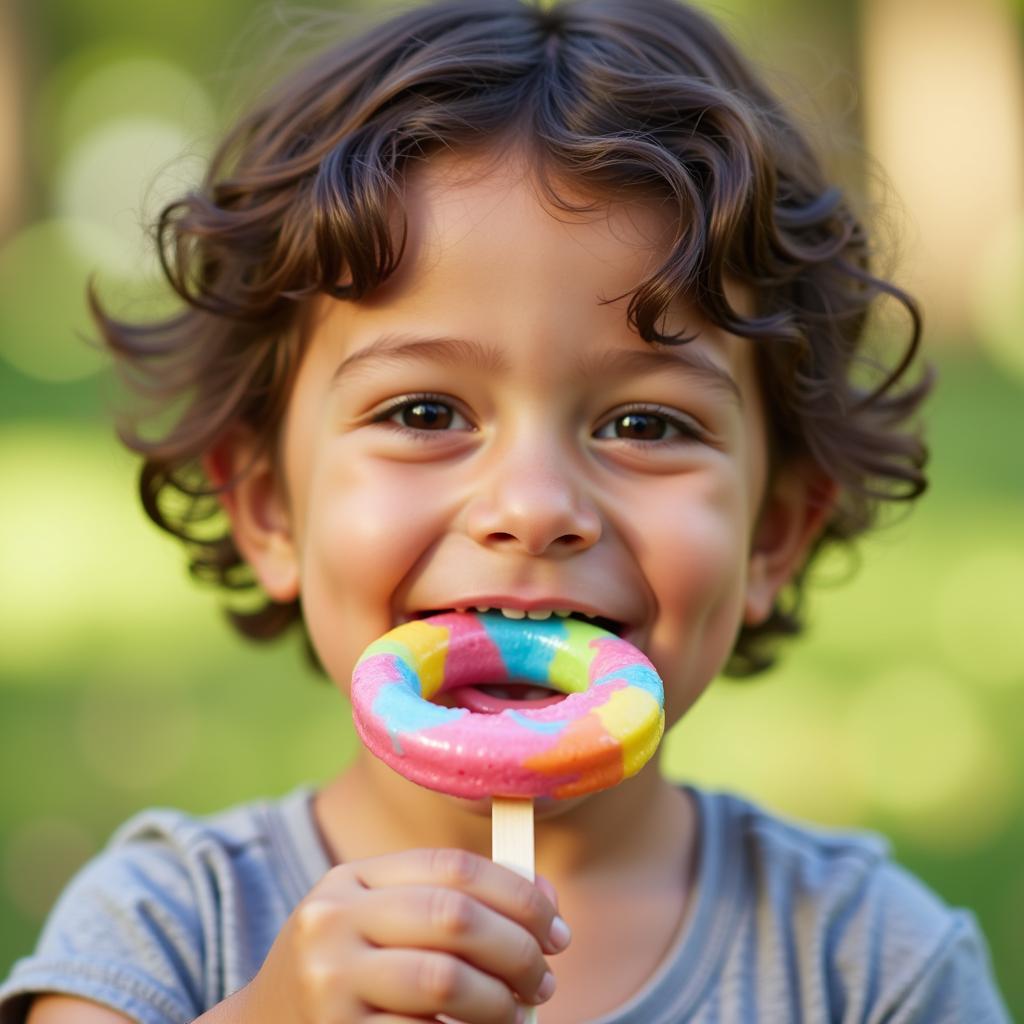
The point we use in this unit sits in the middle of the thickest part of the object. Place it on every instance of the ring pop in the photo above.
(605, 730)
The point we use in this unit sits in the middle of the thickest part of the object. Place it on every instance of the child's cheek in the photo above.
(698, 582)
(366, 526)
(367, 511)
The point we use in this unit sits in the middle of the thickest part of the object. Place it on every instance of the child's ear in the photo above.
(253, 499)
(799, 501)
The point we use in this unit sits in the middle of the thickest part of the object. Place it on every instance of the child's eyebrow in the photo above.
(391, 348)
(682, 359)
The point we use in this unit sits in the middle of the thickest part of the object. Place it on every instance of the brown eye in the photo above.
(423, 415)
(640, 426)
(419, 415)
(650, 425)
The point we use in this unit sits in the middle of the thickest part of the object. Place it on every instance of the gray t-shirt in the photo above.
(788, 924)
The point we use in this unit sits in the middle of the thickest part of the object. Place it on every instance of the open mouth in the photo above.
(602, 622)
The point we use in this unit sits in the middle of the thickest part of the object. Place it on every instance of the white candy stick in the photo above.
(512, 845)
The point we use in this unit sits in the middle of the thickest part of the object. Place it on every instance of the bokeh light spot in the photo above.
(928, 758)
(778, 741)
(120, 176)
(43, 317)
(81, 566)
(38, 860)
(115, 81)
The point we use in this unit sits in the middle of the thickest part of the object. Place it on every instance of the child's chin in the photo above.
(479, 807)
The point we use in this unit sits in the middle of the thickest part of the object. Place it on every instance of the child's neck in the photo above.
(368, 810)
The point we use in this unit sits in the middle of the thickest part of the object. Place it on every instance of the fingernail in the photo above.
(559, 935)
(520, 1015)
(547, 988)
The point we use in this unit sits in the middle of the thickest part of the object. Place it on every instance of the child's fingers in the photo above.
(497, 886)
(452, 921)
(548, 889)
(423, 982)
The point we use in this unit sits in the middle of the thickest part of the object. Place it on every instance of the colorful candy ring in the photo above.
(605, 730)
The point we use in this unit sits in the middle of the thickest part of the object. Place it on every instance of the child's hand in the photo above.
(406, 937)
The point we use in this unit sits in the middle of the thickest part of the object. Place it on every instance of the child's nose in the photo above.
(531, 503)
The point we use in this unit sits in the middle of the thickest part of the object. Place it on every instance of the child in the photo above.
(538, 309)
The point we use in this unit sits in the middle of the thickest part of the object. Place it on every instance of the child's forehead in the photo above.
(487, 213)
(509, 178)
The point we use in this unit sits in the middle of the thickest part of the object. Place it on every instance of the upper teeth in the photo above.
(534, 613)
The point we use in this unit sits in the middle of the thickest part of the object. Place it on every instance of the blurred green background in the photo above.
(121, 688)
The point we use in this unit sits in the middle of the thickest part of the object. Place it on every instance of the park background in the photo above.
(120, 685)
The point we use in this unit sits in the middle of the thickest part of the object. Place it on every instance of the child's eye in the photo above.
(423, 413)
(648, 425)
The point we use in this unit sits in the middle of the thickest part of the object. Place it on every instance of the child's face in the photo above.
(488, 431)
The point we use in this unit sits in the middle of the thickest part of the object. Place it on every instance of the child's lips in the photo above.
(492, 699)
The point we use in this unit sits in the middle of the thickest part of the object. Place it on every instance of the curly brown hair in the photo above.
(646, 98)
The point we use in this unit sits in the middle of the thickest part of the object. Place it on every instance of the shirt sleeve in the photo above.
(911, 959)
(954, 985)
(126, 933)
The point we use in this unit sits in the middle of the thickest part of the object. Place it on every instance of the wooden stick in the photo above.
(512, 845)
(512, 834)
